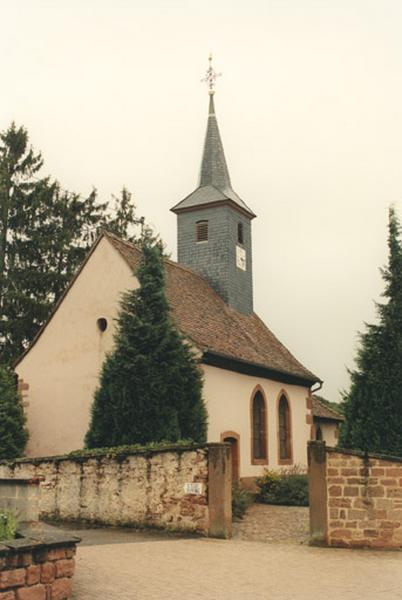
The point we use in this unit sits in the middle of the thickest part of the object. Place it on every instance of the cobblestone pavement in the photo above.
(206, 569)
(264, 523)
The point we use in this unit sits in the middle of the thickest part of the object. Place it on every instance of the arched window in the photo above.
(318, 434)
(201, 231)
(240, 233)
(285, 446)
(259, 429)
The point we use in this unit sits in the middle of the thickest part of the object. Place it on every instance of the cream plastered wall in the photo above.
(62, 369)
(228, 398)
(329, 433)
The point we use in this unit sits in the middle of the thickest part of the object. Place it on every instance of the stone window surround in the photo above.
(289, 459)
(254, 460)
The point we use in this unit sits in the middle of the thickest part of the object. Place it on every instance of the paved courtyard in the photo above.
(117, 564)
(272, 524)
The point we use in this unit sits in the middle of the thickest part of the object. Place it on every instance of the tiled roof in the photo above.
(322, 411)
(214, 327)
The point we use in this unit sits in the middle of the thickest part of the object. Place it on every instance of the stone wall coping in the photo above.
(111, 453)
(36, 535)
(358, 453)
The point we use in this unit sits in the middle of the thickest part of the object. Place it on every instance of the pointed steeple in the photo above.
(214, 170)
(214, 224)
(214, 185)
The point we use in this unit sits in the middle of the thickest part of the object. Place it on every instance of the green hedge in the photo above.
(287, 488)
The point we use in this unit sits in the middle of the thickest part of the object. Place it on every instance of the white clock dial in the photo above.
(240, 258)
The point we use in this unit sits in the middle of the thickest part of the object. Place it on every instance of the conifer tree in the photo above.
(151, 385)
(13, 435)
(373, 405)
(45, 234)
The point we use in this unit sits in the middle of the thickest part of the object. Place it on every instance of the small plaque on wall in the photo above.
(240, 258)
(193, 488)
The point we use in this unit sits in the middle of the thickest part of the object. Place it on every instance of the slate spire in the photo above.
(214, 183)
(214, 224)
(214, 170)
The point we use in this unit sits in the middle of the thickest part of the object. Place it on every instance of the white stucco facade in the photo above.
(63, 366)
(229, 396)
(329, 432)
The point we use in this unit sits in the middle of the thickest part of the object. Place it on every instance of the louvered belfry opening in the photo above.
(201, 231)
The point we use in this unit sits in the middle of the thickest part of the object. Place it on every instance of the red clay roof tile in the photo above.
(202, 315)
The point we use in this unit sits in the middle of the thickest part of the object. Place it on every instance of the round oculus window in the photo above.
(102, 324)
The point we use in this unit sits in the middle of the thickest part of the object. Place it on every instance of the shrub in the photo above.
(13, 434)
(8, 525)
(288, 487)
(241, 500)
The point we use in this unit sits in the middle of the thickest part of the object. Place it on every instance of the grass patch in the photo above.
(8, 525)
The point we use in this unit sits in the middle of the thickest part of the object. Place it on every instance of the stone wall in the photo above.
(355, 499)
(38, 566)
(141, 488)
(21, 497)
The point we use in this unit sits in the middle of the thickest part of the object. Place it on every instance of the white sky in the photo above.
(310, 112)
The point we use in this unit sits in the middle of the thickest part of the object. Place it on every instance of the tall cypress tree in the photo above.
(373, 405)
(151, 385)
(13, 435)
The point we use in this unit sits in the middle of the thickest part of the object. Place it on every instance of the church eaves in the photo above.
(214, 184)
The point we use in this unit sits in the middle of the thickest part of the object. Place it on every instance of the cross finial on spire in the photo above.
(210, 77)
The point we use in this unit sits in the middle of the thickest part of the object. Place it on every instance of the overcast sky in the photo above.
(310, 111)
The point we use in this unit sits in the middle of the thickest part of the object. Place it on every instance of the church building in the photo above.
(258, 395)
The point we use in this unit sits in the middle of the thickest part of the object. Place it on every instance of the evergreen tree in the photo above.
(13, 435)
(45, 234)
(151, 385)
(373, 405)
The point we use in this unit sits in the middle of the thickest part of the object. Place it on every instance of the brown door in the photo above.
(234, 442)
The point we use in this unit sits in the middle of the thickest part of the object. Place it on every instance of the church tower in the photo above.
(214, 224)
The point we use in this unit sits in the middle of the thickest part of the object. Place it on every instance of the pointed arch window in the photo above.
(285, 440)
(259, 429)
(318, 434)
(201, 231)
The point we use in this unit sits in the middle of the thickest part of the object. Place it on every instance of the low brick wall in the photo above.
(355, 499)
(180, 487)
(38, 566)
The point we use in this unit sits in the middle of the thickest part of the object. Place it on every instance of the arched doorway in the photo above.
(233, 439)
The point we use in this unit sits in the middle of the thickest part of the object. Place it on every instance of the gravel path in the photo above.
(266, 523)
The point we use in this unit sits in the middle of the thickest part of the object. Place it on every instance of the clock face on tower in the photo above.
(240, 258)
